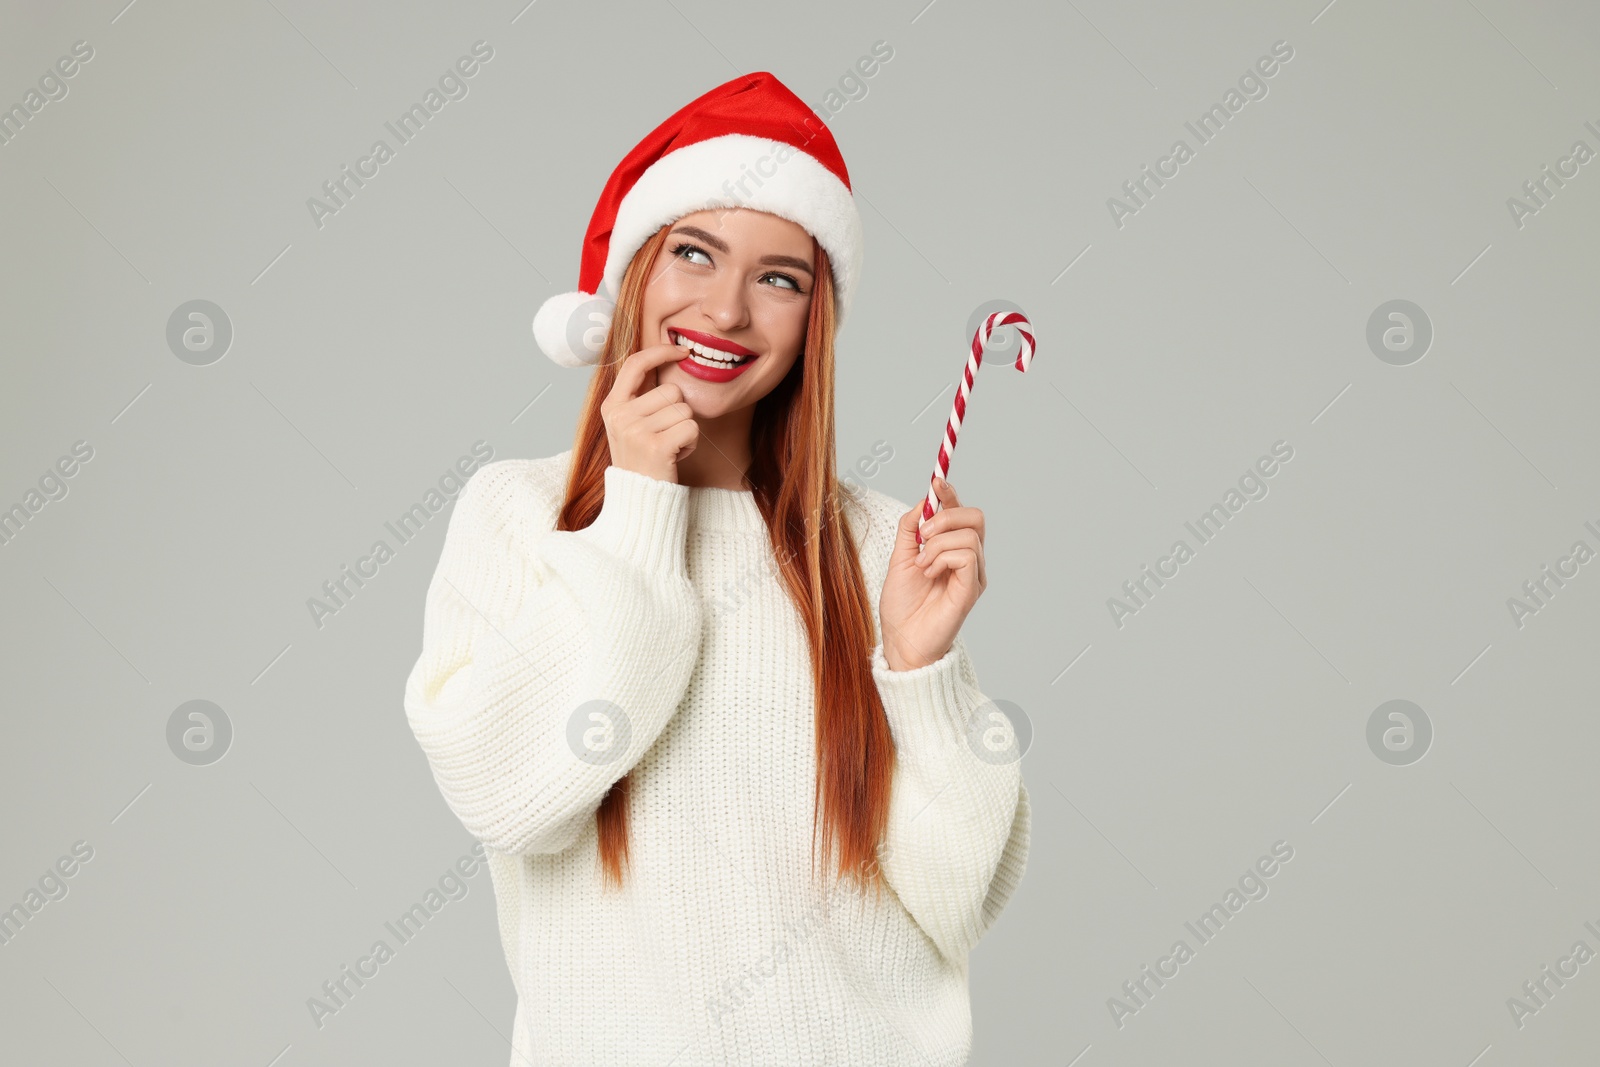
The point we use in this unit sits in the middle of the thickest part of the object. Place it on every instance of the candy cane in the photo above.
(941, 466)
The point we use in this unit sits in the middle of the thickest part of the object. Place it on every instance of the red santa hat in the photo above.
(748, 143)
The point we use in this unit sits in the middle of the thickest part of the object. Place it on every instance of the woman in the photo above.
(651, 680)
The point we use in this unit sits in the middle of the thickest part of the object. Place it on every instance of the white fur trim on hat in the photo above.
(571, 328)
(724, 172)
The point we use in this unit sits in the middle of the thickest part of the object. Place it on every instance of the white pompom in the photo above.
(571, 328)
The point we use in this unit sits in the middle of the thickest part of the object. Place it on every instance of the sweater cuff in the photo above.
(925, 701)
(643, 520)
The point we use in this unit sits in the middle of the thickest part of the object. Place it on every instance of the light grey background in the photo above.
(1228, 313)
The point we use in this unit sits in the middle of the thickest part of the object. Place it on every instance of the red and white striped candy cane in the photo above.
(941, 466)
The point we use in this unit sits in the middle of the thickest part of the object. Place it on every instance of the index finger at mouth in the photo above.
(639, 366)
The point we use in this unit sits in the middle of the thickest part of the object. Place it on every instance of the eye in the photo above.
(681, 251)
(794, 285)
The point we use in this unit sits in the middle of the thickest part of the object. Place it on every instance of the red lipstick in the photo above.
(714, 374)
(721, 344)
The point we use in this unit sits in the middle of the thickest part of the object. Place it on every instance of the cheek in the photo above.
(665, 294)
(779, 368)
(670, 286)
(788, 330)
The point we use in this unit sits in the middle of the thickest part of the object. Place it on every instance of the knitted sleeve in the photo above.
(957, 840)
(551, 659)
(959, 819)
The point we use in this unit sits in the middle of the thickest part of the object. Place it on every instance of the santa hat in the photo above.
(748, 143)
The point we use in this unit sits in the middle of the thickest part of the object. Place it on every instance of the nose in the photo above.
(724, 302)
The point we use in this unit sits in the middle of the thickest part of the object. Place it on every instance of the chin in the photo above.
(703, 406)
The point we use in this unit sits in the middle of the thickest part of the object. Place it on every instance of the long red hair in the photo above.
(792, 475)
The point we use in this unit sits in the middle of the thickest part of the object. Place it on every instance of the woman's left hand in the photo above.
(928, 593)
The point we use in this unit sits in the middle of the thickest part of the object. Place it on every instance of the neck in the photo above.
(722, 455)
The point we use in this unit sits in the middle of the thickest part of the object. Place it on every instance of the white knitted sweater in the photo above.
(659, 639)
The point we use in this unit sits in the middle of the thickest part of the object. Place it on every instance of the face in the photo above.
(738, 282)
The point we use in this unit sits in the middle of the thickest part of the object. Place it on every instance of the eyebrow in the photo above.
(722, 246)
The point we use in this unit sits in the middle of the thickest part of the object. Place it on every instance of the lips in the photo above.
(709, 368)
(721, 344)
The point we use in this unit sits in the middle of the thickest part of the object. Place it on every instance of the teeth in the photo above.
(707, 357)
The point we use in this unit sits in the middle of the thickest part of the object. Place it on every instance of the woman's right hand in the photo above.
(648, 426)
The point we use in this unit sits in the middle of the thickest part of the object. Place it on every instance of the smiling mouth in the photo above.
(705, 355)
